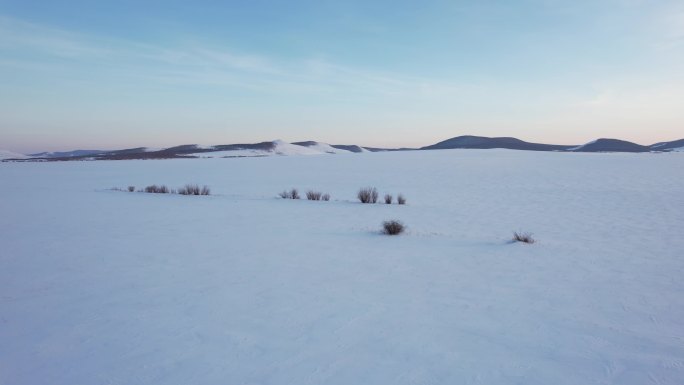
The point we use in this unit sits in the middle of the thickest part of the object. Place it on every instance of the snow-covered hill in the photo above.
(279, 147)
(4, 154)
(323, 148)
(610, 145)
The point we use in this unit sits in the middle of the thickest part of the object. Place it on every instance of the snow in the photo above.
(325, 148)
(204, 147)
(284, 148)
(582, 146)
(108, 287)
(280, 148)
(4, 154)
(232, 153)
(678, 149)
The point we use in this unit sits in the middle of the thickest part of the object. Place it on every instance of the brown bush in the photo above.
(368, 195)
(314, 195)
(388, 199)
(193, 189)
(154, 189)
(523, 237)
(401, 199)
(392, 227)
(292, 194)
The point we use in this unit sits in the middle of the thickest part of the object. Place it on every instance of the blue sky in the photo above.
(96, 74)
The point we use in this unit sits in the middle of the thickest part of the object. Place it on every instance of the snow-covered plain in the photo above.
(108, 287)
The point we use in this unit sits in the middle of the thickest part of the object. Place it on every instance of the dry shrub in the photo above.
(388, 199)
(401, 199)
(193, 189)
(154, 189)
(314, 195)
(523, 237)
(325, 197)
(368, 195)
(189, 189)
(393, 227)
(292, 194)
(131, 188)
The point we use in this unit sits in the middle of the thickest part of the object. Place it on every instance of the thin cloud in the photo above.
(198, 64)
(18, 34)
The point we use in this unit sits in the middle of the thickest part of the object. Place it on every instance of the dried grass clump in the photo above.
(368, 195)
(401, 199)
(325, 197)
(393, 227)
(154, 189)
(193, 189)
(388, 199)
(292, 194)
(314, 195)
(131, 188)
(523, 237)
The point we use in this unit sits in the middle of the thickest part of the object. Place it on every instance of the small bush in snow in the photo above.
(388, 199)
(523, 237)
(314, 195)
(193, 189)
(392, 227)
(292, 194)
(131, 188)
(401, 199)
(368, 195)
(157, 189)
(189, 189)
(325, 197)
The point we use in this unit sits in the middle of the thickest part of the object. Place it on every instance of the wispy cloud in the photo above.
(198, 64)
(17, 34)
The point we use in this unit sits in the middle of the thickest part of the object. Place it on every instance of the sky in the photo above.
(118, 74)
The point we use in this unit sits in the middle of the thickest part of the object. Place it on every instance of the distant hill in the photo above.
(481, 142)
(668, 146)
(279, 147)
(4, 154)
(379, 149)
(610, 145)
(66, 154)
(323, 147)
(350, 147)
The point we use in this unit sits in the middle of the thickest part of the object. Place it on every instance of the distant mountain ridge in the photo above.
(611, 145)
(279, 147)
(481, 142)
(667, 146)
(598, 145)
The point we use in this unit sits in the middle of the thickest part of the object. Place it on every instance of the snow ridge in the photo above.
(5, 154)
(280, 147)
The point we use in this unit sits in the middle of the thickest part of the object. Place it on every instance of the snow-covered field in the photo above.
(241, 287)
